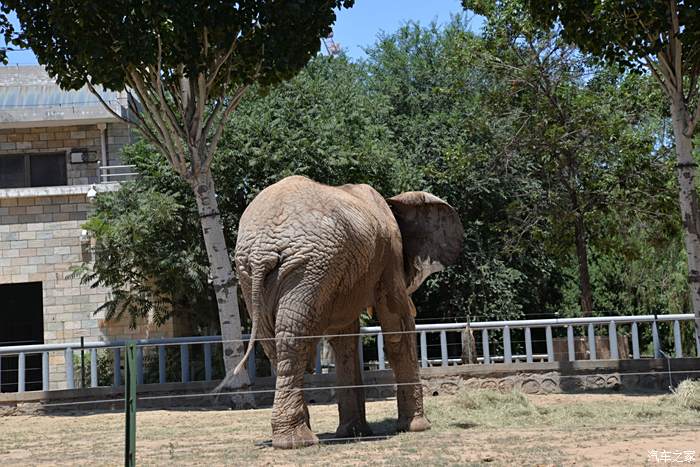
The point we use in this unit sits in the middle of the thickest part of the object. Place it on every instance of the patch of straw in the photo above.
(687, 394)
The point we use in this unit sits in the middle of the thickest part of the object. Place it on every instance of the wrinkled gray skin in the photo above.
(310, 258)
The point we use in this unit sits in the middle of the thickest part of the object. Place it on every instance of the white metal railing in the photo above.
(487, 329)
(117, 173)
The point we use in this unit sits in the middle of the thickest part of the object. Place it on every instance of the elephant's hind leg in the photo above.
(395, 316)
(351, 401)
(290, 416)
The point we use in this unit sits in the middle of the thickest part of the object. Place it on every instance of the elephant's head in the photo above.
(431, 234)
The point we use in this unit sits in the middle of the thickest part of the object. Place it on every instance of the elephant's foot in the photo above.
(353, 430)
(300, 437)
(417, 423)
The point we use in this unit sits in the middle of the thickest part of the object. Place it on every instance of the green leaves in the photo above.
(149, 249)
(505, 127)
(6, 33)
(263, 41)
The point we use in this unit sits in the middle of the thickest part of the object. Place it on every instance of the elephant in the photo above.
(310, 258)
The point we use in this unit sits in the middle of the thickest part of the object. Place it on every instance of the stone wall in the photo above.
(40, 241)
(118, 135)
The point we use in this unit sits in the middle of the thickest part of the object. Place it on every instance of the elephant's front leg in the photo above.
(395, 316)
(290, 416)
(351, 401)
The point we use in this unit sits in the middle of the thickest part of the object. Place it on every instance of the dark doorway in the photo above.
(21, 323)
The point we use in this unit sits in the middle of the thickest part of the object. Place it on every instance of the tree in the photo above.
(443, 123)
(577, 120)
(148, 244)
(149, 250)
(660, 37)
(185, 69)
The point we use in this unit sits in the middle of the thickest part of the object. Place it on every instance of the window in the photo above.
(11, 171)
(18, 171)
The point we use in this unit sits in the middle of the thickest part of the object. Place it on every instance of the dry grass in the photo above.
(687, 394)
(473, 427)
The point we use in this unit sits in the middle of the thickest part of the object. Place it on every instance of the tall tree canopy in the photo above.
(184, 67)
(660, 37)
(586, 126)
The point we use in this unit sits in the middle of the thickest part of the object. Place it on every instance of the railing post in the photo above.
(82, 362)
(319, 347)
(21, 372)
(697, 340)
(507, 353)
(162, 360)
(361, 353)
(380, 350)
(612, 338)
(443, 348)
(70, 383)
(423, 350)
(117, 366)
(677, 339)
(528, 345)
(185, 363)
(655, 339)
(93, 368)
(139, 365)
(44, 371)
(207, 362)
(570, 342)
(485, 345)
(550, 344)
(591, 341)
(635, 341)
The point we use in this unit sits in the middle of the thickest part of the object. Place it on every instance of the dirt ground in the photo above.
(468, 428)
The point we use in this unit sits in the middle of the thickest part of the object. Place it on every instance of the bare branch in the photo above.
(202, 94)
(106, 105)
(161, 101)
(154, 115)
(213, 116)
(662, 81)
(143, 126)
(213, 145)
(675, 46)
(667, 72)
(220, 62)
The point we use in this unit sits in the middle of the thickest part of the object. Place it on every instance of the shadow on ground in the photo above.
(381, 430)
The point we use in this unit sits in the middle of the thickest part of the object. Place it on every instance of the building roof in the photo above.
(29, 97)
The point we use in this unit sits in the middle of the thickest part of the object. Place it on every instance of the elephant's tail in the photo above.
(256, 303)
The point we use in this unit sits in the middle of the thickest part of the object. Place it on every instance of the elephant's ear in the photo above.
(431, 233)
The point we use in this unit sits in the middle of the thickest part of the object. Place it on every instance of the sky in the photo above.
(359, 26)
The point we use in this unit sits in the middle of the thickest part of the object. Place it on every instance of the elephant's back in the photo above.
(326, 238)
(299, 206)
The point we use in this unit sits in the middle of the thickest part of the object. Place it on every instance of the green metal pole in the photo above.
(130, 405)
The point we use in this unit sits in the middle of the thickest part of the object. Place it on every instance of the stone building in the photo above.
(57, 150)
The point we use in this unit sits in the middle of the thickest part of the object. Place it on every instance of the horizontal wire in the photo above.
(661, 372)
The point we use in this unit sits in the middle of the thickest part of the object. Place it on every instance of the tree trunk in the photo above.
(688, 200)
(222, 278)
(584, 276)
